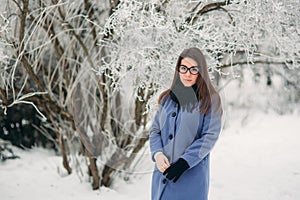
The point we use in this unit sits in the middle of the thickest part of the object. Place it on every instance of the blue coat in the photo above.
(187, 135)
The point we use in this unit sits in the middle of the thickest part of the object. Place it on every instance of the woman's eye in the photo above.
(194, 70)
(183, 68)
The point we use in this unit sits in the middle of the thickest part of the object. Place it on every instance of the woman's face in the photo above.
(188, 79)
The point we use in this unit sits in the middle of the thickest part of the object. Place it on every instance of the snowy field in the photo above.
(254, 160)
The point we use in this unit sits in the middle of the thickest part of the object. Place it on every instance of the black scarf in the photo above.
(185, 96)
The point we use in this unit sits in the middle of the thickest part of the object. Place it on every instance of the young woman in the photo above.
(184, 131)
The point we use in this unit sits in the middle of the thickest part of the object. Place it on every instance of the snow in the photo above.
(259, 161)
(254, 160)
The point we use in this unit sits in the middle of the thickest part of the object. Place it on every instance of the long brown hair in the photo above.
(205, 90)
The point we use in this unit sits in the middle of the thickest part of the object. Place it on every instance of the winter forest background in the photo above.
(81, 78)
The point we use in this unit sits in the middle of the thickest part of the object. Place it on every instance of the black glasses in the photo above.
(184, 69)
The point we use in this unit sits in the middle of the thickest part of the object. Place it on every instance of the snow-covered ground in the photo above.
(257, 160)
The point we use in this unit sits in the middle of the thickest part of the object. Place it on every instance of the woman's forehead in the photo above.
(188, 60)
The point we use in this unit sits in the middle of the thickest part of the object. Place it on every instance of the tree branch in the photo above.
(71, 30)
(262, 62)
(111, 11)
(90, 12)
(252, 63)
(49, 29)
(40, 101)
(31, 73)
(207, 8)
(18, 5)
(3, 97)
(24, 12)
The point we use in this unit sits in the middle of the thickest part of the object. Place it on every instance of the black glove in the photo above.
(176, 169)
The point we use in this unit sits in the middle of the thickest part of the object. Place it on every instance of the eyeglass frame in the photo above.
(189, 69)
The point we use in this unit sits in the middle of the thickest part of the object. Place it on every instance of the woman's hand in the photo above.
(176, 169)
(161, 161)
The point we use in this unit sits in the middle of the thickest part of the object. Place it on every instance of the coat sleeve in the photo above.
(201, 147)
(155, 136)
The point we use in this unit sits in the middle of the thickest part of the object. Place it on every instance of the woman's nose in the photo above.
(188, 73)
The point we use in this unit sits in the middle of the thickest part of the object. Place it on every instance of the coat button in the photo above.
(170, 136)
(164, 181)
(173, 114)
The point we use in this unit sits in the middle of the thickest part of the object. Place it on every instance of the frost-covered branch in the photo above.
(252, 63)
(207, 8)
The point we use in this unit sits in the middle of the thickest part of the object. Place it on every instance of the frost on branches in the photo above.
(93, 69)
(146, 38)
